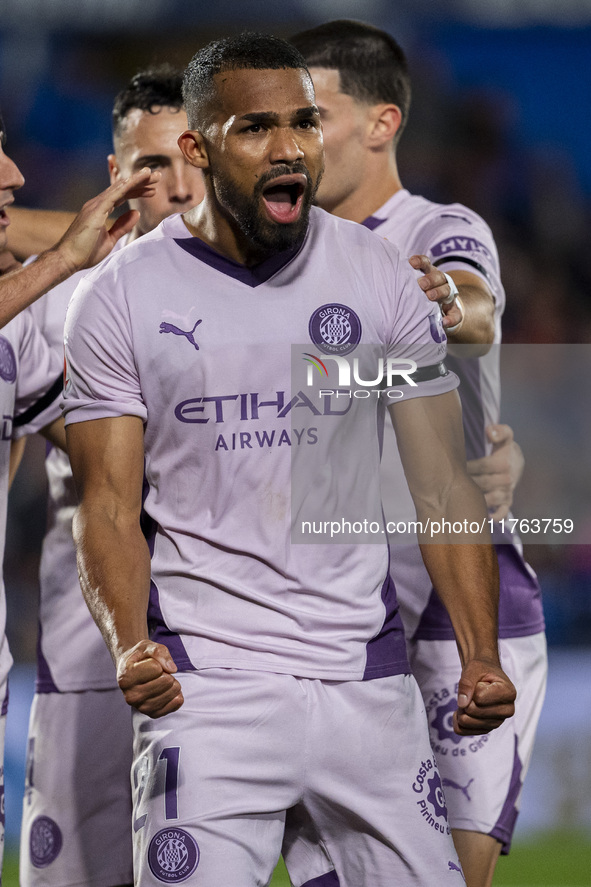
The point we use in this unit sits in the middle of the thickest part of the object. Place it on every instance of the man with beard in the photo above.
(77, 793)
(265, 673)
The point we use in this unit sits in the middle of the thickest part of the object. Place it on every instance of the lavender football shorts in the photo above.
(76, 827)
(213, 781)
(482, 775)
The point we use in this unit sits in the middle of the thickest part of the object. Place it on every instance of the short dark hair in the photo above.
(249, 50)
(371, 64)
(155, 87)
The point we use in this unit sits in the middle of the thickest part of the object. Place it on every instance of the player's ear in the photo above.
(194, 148)
(114, 171)
(385, 123)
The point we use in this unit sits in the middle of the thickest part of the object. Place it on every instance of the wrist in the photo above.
(451, 330)
(62, 266)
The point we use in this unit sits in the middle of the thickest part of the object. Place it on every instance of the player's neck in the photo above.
(377, 187)
(221, 234)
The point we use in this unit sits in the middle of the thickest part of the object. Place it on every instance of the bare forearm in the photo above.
(22, 287)
(114, 567)
(466, 580)
(463, 568)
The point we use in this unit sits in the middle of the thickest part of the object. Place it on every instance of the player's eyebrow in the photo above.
(310, 111)
(262, 117)
(147, 159)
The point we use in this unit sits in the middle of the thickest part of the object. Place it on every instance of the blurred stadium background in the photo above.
(501, 121)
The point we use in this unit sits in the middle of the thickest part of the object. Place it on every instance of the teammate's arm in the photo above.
(34, 230)
(473, 320)
(463, 569)
(87, 241)
(55, 433)
(497, 475)
(107, 458)
(17, 451)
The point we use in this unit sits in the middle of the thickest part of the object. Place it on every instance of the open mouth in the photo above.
(283, 198)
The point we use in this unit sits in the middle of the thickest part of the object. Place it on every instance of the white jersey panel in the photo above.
(200, 349)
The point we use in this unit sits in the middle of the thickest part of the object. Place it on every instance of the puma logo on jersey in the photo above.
(462, 788)
(455, 868)
(176, 331)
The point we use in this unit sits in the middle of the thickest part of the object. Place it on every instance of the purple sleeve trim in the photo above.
(330, 879)
(505, 825)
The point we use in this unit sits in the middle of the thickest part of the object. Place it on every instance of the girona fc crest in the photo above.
(45, 841)
(335, 329)
(173, 855)
(7, 361)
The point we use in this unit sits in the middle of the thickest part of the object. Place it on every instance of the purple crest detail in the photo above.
(7, 361)
(443, 721)
(335, 329)
(45, 841)
(436, 797)
(436, 327)
(173, 855)
(176, 331)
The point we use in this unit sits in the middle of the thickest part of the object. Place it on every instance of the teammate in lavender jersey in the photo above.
(363, 93)
(77, 796)
(261, 649)
(30, 391)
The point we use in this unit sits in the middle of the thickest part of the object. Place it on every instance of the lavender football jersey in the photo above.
(454, 238)
(200, 348)
(30, 389)
(71, 653)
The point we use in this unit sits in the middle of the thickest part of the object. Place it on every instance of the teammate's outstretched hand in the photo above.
(497, 475)
(145, 674)
(486, 698)
(435, 286)
(88, 240)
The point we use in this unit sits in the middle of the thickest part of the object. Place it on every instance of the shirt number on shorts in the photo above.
(171, 782)
(171, 757)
